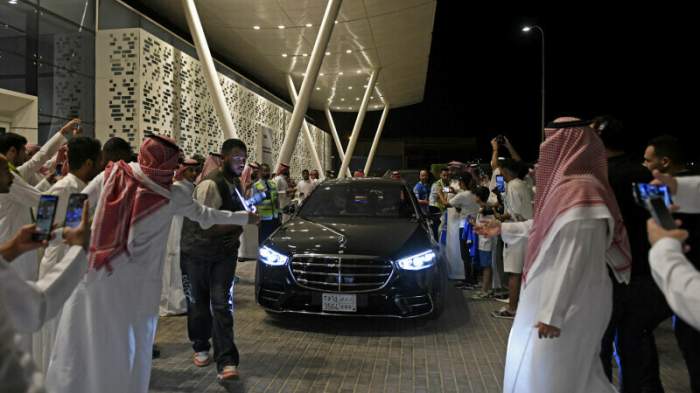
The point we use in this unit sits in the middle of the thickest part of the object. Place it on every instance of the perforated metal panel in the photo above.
(147, 85)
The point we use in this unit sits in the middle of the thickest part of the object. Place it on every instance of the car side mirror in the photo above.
(290, 209)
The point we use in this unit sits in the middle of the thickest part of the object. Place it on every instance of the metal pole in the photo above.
(543, 118)
(210, 75)
(312, 69)
(377, 136)
(358, 125)
(336, 138)
(307, 132)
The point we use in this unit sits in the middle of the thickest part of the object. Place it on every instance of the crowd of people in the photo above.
(570, 246)
(583, 270)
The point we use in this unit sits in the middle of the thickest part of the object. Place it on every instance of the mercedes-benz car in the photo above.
(354, 247)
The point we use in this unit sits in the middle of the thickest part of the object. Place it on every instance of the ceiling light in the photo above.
(328, 53)
(309, 25)
(340, 73)
(359, 71)
(305, 55)
(280, 27)
(321, 74)
(256, 27)
(284, 55)
(349, 87)
(527, 28)
(349, 51)
(336, 22)
(342, 99)
(357, 98)
(318, 88)
(371, 98)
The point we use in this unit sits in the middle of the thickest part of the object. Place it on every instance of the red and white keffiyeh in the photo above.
(572, 171)
(126, 200)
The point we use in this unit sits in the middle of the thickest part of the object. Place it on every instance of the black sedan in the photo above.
(355, 247)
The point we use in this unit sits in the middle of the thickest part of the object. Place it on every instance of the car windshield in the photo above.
(359, 199)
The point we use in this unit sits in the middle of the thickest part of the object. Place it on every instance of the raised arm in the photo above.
(184, 205)
(48, 150)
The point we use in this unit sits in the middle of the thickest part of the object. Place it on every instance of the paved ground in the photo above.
(463, 351)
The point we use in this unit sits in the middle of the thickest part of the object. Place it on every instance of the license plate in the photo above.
(338, 302)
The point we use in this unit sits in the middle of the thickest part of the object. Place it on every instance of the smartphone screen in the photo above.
(74, 211)
(45, 214)
(660, 212)
(501, 183)
(446, 189)
(645, 191)
(59, 169)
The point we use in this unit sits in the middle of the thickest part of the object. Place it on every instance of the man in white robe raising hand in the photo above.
(105, 335)
(566, 300)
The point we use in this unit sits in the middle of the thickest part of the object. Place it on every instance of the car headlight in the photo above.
(418, 261)
(270, 257)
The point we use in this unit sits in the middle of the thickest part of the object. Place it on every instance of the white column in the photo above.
(358, 124)
(377, 136)
(305, 126)
(312, 69)
(210, 75)
(336, 138)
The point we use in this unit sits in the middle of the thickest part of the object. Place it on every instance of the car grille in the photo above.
(341, 273)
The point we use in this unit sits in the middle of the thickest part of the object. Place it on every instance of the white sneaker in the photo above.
(506, 300)
(201, 359)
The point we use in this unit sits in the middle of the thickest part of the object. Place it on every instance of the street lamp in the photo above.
(527, 29)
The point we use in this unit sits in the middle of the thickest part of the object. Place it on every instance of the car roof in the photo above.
(363, 180)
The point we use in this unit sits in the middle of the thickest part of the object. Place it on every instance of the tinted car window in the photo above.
(359, 200)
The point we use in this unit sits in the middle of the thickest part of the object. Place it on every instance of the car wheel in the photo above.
(439, 295)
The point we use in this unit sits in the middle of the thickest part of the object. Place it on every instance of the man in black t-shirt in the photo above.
(638, 307)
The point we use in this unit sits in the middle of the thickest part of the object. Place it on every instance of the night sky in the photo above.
(484, 76)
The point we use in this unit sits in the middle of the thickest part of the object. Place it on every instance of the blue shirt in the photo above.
(422, 192)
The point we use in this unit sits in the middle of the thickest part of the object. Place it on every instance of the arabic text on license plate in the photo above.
(338, 302)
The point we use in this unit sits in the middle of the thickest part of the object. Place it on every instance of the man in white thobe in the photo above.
(26, 305)
(106, 332)
(453, 252)
(172, 297)
(84, 159)
(15, 206)
(566, 300)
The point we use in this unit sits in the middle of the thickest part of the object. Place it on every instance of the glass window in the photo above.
(359, 199)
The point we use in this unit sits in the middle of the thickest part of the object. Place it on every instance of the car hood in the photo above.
(390, 238)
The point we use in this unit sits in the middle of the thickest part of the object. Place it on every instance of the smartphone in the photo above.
(59, 170)
(74, 211)
(446, 189)
(500, 183)
(644, 191)
(658, 209)
(45, 214)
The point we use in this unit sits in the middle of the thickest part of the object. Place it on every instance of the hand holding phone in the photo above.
(45, 214)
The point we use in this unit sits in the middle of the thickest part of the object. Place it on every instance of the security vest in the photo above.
(267, 209)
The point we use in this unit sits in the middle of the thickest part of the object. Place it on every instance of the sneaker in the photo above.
(503, 314)
(228, 373)
(483, 296)
(201, 359)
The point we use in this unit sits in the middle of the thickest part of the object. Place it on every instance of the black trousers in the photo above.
(638, 308)
(435, 223)
(469, 274)
(207, 286)
(689, 342)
